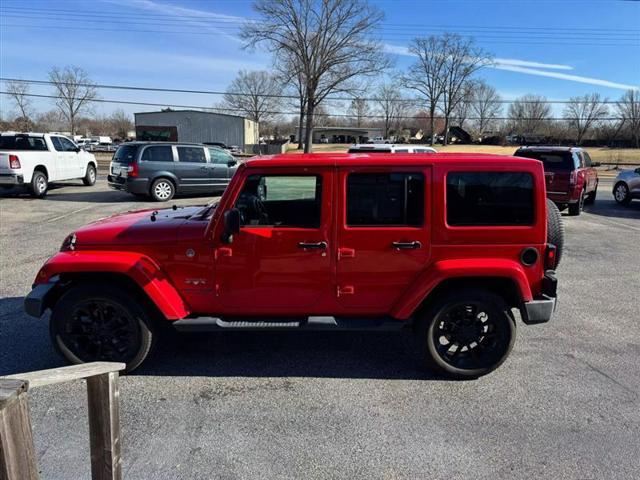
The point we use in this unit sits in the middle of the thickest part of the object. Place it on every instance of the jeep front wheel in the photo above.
(466, 334)
(101, 323)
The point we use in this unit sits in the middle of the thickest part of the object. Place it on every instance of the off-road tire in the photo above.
(435, 315)
(140, 319)
(91, 176)
(575, 209)
(555, 229)
(39, 184)
(161, 185)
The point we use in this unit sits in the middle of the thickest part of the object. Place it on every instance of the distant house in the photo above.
(458, 135)
(342, 134)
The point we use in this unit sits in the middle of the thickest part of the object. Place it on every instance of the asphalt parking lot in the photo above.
(349, 405)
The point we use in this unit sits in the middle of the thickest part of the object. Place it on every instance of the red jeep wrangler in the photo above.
(450, 245)
(572, 180)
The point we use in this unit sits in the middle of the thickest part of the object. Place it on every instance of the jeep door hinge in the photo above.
(346, 290)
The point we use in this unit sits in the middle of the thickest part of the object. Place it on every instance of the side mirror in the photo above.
(231, 225)
(232, 163)
(595, 164)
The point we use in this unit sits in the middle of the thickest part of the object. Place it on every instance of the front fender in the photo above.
(459, 268)
(140, 268)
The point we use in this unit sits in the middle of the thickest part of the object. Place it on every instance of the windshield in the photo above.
(22, 142)
(125, 154)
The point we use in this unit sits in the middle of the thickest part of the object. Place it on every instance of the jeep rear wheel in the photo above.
(101, 323)
(555, 229)
(466, 334)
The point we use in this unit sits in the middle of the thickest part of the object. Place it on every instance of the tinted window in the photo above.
(67, 145)
(553, 161)
(191, 155)
(57, 144)
(489, 198)
(587, 159)
(125, 154)
(369, 150)
(158, 153)
(22, 142)
(219, 157)
(385, 199)
(281, 200)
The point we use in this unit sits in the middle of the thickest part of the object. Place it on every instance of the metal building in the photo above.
(197, 127)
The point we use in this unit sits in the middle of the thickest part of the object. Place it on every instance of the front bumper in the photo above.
(35, 303)
(541, 308)
(11, 179)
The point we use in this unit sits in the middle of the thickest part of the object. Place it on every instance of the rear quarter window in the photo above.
(490, 199)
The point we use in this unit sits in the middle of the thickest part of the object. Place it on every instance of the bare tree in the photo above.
(529, 114)
(18, 92)
(359, 110)
(425, 75)
(330, 40)
(583, 112)
(460, 114)
(485, 105)
(628, 108)
(462, 58)
(392, 107)
(255, 94)
(74, 91)
(120, 123)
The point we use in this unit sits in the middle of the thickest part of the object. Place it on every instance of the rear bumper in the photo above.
(11, 179)
(35, 302)
(131, 185)
(541, 308)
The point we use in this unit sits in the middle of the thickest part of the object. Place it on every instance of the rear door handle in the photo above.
(406, 245)
(317, 245)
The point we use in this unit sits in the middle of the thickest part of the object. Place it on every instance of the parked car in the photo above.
(433, 243)
(378, 140)
(161, 169)
(570, 175)
(627, 186)
(33, 160)
(390, 148)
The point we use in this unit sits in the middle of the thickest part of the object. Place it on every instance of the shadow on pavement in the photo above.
(25, 346)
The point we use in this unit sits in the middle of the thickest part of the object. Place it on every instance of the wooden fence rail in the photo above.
(17, 453)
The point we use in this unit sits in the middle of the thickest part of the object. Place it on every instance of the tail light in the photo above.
(14, 162)
(573, 178)
(550, 257)
(132, 170)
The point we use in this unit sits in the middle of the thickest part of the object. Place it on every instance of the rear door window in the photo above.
(490, 198)
(22, 142)
(385, 199)
(158, 153)
(191, 155)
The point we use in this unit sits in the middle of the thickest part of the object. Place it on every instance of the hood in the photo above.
(135, 227)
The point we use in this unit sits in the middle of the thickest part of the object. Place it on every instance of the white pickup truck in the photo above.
(35, 159)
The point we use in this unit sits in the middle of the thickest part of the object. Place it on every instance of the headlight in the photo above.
(69, 243)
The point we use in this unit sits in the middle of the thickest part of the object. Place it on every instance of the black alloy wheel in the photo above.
(470, 334)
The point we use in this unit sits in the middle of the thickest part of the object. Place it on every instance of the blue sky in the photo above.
(558, 48)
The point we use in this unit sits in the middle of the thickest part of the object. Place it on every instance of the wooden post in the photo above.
(104, 426)
(17, 453)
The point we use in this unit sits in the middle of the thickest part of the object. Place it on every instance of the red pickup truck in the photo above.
(571, 177)
(449, 245)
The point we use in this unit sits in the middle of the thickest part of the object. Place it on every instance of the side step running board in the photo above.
(208, 324)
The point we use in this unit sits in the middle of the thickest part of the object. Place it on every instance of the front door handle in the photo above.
(317, 245)
(406, 245)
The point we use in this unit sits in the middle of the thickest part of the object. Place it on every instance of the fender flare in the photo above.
(140, 268)
(443, 270)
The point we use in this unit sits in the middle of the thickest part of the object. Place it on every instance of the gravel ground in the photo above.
(349, 405)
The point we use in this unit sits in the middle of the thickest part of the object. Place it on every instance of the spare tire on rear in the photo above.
(555, 229)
